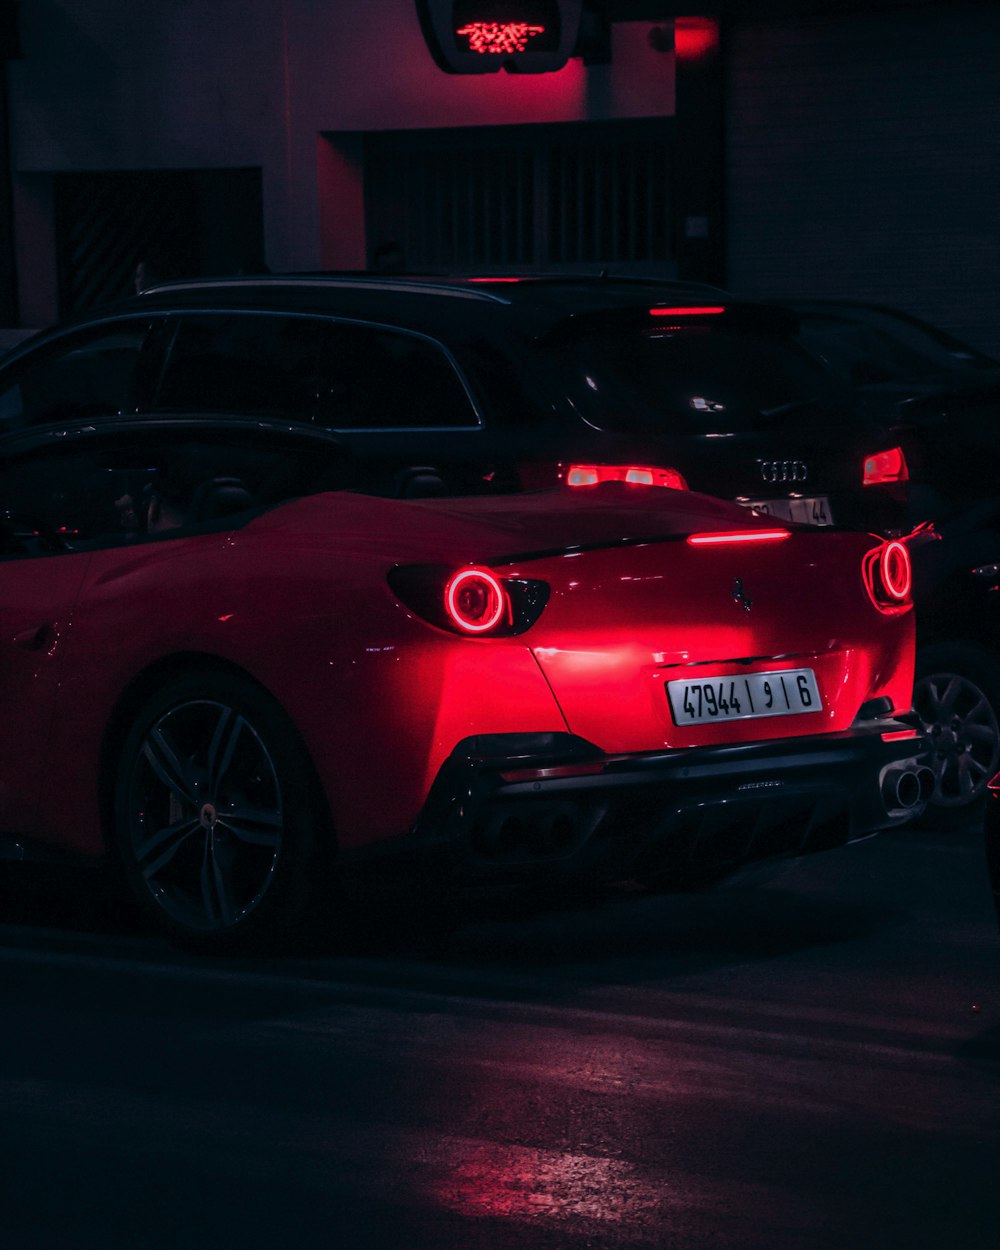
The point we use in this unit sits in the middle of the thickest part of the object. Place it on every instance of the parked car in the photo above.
(937, 400)
(477, 384)
(223, 668)
(935, 397)
(956, 570)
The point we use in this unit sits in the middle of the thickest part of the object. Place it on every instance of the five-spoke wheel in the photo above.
(214, 812)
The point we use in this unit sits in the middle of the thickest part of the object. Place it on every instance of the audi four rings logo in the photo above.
(783, 470)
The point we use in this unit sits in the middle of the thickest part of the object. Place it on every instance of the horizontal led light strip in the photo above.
(738, 536)
(705, 310)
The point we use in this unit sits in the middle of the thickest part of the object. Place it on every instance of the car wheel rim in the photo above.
(205, 815)
(962, 729)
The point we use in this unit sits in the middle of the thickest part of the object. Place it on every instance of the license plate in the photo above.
(812, 511)
(786, 693)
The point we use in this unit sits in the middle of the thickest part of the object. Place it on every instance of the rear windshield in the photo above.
(694, 379)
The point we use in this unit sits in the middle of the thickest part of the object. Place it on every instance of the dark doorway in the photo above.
(180, 223)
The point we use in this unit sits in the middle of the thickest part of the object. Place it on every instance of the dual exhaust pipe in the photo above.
(906, 787)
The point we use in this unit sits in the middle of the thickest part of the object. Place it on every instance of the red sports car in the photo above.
(224, 668)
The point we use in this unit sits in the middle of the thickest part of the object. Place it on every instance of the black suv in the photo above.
(486, 384)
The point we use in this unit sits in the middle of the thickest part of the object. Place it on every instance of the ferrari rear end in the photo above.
(728, 694)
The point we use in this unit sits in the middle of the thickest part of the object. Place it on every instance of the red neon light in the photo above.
(708, 310)
(897, 734)
(738, 536)
(895, 569)
(494, 279)
(499, 37)
(475, 600)
(886, 466)
(695, 36)
(634, 474)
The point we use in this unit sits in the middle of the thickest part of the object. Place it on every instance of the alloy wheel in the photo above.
(205, 815)
(961, 726)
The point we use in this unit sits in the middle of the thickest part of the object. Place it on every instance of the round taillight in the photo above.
(894, 568)
(476, 601)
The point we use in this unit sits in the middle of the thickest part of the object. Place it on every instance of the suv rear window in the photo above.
(698, 378)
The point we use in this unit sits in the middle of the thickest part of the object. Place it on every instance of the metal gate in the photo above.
(510, 198)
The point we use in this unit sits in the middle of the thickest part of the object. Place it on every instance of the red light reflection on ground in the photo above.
(519, 1182)
(502, 37)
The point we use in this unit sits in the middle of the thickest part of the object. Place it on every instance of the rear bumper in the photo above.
(677, 816)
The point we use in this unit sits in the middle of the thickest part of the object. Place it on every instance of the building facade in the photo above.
(779, 149)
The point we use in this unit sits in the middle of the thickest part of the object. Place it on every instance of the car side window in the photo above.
(95, 372)
(383, 379)
(112, 488)
(59, 499)
(248, 363)
(338, 375)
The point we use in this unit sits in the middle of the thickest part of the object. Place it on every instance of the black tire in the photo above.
(957, 696)
(217, 823)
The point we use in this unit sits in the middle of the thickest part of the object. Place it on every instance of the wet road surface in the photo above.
(813, 1062)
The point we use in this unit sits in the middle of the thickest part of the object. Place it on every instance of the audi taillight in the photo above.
(633, 474)
(885, 466)
(888, 575)
(474, 600)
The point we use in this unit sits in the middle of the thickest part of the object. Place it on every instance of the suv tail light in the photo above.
(634, 474)
(888, 575)
(690, 310)
(473, 601)
(885, 466)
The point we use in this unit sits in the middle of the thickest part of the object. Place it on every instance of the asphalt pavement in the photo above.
(810, 1062)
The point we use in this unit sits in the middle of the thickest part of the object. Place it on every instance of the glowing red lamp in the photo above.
(476, 601)
(738, 536)
(634, 474)
(695, 37)
(484, 36)
(885, 466)
(704, 310)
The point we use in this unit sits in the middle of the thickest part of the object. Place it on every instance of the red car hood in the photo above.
(493, 527)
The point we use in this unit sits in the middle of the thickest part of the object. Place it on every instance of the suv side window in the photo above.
(257, 364)
(96, 372)
(382, 379)
(339, 375)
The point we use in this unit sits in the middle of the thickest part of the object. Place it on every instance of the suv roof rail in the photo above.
(374, 282)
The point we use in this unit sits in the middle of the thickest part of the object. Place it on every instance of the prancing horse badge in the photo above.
(740, 595)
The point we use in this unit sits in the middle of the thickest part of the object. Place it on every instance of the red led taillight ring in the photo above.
(494, 600)
(895, 570)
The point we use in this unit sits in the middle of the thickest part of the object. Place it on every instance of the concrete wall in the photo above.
(864, 161)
